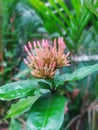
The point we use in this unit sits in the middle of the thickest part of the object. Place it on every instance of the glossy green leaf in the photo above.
(76, 75)
(47, 113)
(22, 106)
(15, 125)
(17, 89)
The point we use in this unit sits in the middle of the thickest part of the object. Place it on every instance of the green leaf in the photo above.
(91, 7)
(22, 106)
(17, 89)
(76, 75)
(47, 113)
(65, 8)
(59, 11)
(45, 83)
(15, 125)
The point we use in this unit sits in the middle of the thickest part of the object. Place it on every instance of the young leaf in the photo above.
(76, 75)
(17, 89)
(44, 83)
(47, 113)
(22, 106)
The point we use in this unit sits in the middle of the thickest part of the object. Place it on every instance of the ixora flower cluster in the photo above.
(46, 58)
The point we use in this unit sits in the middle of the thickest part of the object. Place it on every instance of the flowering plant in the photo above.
(47, 59)
(44, 95)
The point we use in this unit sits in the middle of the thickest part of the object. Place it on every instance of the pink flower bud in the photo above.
(46, 58)
(29, 44)
(25, 61)
(26, 49)
(34, 44)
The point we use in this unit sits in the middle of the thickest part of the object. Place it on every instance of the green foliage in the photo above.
(76, 75)
(46, 83)
(90, 36)
(91, 7)
(47, 113)
(22, 106)
(17, 89)
(5, 8)
(71, 24)
(15, 125)
(44, 99)
(20, 23)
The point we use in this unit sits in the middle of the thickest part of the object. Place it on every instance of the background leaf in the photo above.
(15, 125)
(91, 7)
